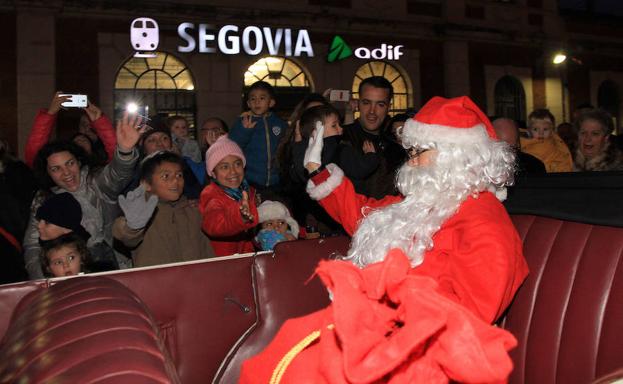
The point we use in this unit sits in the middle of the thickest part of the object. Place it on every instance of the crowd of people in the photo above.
(433, 251)
(146, 192)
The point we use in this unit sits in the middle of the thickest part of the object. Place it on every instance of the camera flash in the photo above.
(131, 107)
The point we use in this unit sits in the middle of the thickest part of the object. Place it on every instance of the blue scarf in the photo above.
(235, 193)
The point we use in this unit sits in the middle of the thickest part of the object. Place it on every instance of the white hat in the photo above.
(274, 210)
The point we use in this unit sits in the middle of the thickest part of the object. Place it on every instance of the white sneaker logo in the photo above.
(144, 35)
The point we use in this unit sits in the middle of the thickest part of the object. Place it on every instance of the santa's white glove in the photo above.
(313, 153)
(136, 209)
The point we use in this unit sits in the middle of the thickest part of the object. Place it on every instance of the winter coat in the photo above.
(223, 223)
(42, 130)
(172, 235)
(553, 152)
(444, 305)
(259, 145)
(611, 159)
(391, 155)
(97, 196)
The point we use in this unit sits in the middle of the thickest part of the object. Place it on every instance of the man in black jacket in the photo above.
(375, 95)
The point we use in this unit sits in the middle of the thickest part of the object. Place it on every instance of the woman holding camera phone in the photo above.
(44, 123)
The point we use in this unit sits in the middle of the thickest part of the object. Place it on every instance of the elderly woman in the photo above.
(594, 151)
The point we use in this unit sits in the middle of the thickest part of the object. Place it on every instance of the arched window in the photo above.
(608, 99)
(289, 79)
(402, 92)
(510, 99)
(163, 84)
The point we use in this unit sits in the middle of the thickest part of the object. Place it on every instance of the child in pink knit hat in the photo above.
(228, 203)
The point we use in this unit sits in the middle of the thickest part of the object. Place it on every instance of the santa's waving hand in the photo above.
(313, 154)
(447, 237)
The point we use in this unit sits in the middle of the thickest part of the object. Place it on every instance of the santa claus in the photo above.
(427, 273)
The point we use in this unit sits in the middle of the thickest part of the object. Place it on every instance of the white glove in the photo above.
(313, 153)
(136, 209)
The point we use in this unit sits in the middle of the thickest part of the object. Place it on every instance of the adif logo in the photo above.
(340, 50)
(144, 35)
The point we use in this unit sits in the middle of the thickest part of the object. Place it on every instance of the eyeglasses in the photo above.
(415, 152)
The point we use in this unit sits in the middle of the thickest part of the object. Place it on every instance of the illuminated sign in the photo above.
(252, 40)
(144, 36)
(340, 50)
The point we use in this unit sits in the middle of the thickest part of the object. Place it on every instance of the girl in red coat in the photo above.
(228, 203)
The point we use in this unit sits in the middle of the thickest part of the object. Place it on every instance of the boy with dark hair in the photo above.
(172, 232)
(258, 132)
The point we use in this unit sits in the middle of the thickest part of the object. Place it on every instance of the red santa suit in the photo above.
(392, 323)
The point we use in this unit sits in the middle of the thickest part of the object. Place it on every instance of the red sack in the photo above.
(385, 325)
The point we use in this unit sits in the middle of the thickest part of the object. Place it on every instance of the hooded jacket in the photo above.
(172, 235)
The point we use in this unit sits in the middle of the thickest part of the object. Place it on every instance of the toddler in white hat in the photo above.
(276, 225)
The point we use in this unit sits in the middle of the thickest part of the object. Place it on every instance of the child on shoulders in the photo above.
(545, 144)
(258, 133)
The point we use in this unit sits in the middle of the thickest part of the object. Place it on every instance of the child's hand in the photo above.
(245, 211)
(247, 121)
(368, 147)
(136, 209)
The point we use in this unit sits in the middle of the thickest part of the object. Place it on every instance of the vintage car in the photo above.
(197, 322)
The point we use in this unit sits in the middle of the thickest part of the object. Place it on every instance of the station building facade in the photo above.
(497, 52)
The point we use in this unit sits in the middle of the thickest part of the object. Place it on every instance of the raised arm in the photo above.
(118, 173)
(242, 130)
(336, 194)
(333, 190)
(103, 128)
(42, 128)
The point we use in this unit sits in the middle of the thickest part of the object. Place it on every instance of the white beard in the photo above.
(431, 198)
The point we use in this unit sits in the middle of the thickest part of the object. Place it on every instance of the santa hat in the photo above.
(451, 121)
(274, 210)
(222, 148)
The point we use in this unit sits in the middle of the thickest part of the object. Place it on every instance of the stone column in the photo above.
(456, 68)
(36, 69)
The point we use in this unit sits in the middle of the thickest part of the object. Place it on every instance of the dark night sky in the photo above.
(605, 7)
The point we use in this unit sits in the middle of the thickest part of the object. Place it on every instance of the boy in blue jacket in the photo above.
(258, 132)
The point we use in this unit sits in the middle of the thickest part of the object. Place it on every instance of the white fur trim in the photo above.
(319, 192)
(500, 192)
(421, 133)
(274, 210)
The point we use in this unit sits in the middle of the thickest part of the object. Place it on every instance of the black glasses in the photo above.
(415, 152)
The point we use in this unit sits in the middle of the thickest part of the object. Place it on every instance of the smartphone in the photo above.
(76, 101)
(339, 95)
